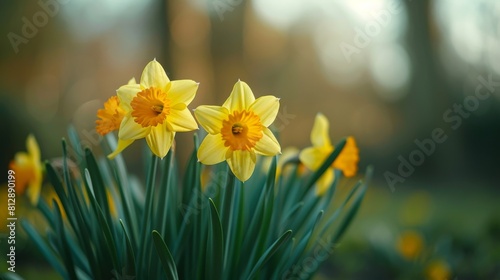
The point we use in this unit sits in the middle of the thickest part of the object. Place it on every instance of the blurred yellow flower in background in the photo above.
(112, 204)
(112, 115)
(238, 130)
(155, 109)
(313, 157)
(410, 244)
(28, 169)
(51, 195)
(438, 270)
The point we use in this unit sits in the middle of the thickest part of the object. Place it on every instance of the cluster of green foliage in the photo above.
(205, 225)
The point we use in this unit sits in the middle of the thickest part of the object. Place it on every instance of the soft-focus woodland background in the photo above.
(384, 71)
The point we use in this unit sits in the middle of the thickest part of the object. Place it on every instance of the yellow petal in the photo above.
(33, 148)
(266, 107)
(267, 145)
(182, 91)
(325, 181)
(33, 191)
(126, 93)
(122, 144)
(160, 140)
(241, 97)
(211, 117)
(154, 76)
(348, 159)
(131, 130)
(319, 133)
(182, 120)
(23, 160)
(132, 81)
(36, 183)
(313, 157)
(23, 167)
(242, 163)
(212, 150)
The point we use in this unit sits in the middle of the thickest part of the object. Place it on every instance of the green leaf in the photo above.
(289, 216)
(167, 221)
(256, 221)
(119, 170)
(10, 276)
(146, 217)
(104, 226)
(215, 245)
(74, 140)
(340, 209)
(199, 244)
(79, 212)
(269, 253)
(46, 251)
(306, 213)
(350, 214)
(47, 213)
(269, 203)
(64, 251)
(301, 246)
(129, 268)
(258, 233)
(166, 258)
(227, 199)
(192, 175)
(55, 180)
(237, 227)
(99, 187)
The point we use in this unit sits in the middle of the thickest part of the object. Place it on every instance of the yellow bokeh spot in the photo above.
(410, 244)
(438, 270)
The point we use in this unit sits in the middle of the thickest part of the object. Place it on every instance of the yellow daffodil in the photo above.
(410, 244)
(313, 157)
(28, 170)
(112, 115)
(155, 109)
(238, 130)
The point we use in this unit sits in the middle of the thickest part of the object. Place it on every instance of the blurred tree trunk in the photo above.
(227, 45)
(426, 89)
(428, 97)
(163, 23)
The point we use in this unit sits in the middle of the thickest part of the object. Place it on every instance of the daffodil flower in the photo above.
(238, 130)
(313, 157)
(28, 170)
(111, 116)
(155, 109)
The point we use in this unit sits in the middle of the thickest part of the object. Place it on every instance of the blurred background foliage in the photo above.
(383, 71)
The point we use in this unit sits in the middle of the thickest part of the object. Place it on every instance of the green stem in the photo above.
(148, 210)
(229, 201)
